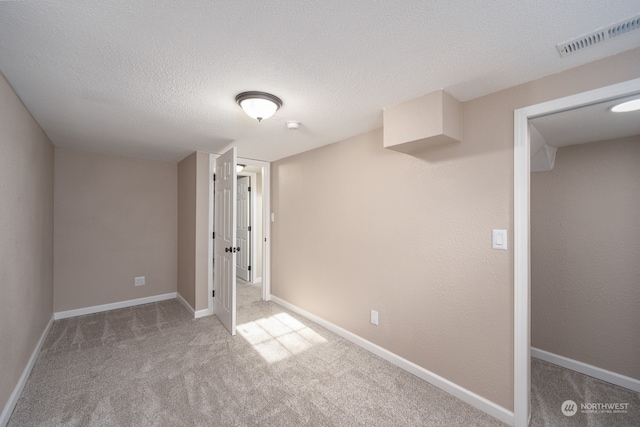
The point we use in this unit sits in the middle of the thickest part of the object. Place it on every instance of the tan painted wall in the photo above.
(187, 229)
(585, 253)
(193, 229)
(115, 218)
(26, 242)
(360, 228)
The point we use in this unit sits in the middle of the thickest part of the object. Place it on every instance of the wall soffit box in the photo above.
(429, 121)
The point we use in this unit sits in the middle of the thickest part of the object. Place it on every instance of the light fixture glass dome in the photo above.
(625, 107)
(259, 105)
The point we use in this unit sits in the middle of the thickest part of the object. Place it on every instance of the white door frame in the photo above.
(521, 234)
(266, 226)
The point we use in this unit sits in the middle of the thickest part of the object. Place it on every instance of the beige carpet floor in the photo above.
(552, 385)
(153, 365)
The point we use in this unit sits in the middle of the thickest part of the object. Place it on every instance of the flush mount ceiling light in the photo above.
(259, 105)
(239, 167)
(625, 107)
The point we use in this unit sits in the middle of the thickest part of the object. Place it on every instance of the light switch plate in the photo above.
(499, 240)
(139, 281)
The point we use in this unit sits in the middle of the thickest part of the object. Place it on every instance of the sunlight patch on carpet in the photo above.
(279, 336)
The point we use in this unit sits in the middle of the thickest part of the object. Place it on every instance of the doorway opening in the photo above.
(250, 224)
(258, 256)
(522, 327)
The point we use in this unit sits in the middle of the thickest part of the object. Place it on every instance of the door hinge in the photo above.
(249, 189)
(249, 228)
(213, 235)
(249, 268)
(214, 177)
(213, 293)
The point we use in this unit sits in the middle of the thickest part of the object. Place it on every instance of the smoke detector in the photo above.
(293, 125)
(599, 36)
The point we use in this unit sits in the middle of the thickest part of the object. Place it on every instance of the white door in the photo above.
(225, 249)
(243, 231)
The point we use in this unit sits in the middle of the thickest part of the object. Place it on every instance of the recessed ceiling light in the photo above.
(625, 107)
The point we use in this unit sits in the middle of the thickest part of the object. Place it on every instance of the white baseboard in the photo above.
(185, 303)
(590, 370)
(196, 314)
(461, 393)
(201, 313)
(17, 391)
(112, 306)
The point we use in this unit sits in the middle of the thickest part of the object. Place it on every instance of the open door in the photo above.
(243, 233)
(224, 245)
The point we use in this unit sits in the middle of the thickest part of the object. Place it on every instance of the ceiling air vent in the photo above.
(599, 36)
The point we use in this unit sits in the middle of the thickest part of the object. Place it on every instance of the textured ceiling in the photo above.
(588, 124)
(157, 79)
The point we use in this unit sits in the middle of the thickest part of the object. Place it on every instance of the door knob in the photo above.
(227, 249)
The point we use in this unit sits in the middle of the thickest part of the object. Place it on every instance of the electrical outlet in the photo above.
(139, 281)
(374, 317)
